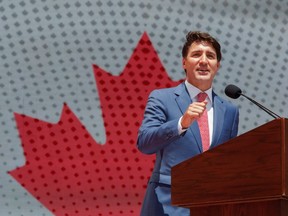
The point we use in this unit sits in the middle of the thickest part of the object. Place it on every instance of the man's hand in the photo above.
(193, 112)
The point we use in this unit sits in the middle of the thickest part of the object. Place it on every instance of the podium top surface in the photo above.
(250, 167)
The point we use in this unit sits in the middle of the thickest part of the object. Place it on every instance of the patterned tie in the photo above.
(203, 124)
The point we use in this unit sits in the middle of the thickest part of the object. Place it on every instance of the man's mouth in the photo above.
(203, 71)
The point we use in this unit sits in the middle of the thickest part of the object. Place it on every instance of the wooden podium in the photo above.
(247, 176)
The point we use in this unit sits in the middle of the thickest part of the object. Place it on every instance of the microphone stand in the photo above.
(274, 115)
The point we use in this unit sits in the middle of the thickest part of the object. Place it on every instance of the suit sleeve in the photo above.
(156, 131)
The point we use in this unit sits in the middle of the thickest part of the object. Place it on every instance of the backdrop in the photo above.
(74, 79)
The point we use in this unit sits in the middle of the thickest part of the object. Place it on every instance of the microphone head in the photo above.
(233, 91)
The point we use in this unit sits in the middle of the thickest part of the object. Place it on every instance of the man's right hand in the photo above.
(193, 112)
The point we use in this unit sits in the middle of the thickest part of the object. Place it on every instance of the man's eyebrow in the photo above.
(196, 51)
(208, 51)
(211, 52)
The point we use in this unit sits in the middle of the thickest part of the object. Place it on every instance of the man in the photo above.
(173, 116)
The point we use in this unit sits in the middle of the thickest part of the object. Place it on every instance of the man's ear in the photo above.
(218, 64)
(183, 63)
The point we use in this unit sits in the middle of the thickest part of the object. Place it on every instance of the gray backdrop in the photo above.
(47, 49)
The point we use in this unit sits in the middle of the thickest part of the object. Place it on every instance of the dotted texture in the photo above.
(48, 48)
(69, 172)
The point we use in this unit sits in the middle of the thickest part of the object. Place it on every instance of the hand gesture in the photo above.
(193, 112)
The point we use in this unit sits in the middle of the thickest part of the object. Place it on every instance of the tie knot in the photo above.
(201, 96)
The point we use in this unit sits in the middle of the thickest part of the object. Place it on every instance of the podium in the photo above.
(246, 176)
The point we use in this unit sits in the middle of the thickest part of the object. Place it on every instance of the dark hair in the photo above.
(197, 36)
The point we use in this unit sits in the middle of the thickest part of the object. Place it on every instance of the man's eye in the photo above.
(211, 56)
(195, 55)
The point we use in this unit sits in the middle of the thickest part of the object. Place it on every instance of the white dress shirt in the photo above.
(193, 92)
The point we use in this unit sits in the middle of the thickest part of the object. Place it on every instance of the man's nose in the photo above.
(203, 59)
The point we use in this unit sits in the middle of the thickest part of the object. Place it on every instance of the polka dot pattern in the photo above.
(49, 49)
(69, 172)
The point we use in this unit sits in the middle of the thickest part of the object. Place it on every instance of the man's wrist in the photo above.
(180, 128)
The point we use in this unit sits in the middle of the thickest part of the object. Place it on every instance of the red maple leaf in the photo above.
(69, 172)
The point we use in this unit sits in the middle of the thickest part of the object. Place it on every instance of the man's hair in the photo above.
(197, 36)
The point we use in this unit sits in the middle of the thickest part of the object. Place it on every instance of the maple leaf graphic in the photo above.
(69, 172)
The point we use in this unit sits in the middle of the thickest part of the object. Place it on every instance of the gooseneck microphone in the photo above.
(235, 92)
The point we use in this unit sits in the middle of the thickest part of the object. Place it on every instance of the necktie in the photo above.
(203, 124)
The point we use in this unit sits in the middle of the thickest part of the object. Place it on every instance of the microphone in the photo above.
(235, 92)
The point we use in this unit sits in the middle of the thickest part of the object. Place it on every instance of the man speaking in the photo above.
(184, 121)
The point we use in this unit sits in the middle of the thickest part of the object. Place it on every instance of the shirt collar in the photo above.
(194, 91)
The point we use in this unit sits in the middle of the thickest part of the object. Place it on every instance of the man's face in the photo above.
(201, 65)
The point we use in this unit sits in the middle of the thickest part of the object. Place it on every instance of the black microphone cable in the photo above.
(235, 92)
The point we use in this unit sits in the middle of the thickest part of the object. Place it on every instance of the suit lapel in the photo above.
(183, 100)
(182, 97)
(219, 112)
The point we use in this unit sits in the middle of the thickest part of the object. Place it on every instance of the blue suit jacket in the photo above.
(159, 130)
